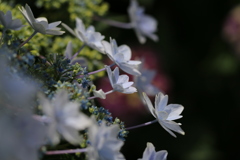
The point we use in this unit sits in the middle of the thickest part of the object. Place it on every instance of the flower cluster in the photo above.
(47, 100)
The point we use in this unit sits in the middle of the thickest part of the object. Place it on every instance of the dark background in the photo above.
(204, 73)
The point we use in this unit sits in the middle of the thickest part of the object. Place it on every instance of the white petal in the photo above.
(29, 13)
(149, 104)
(122, 79)
(54, 32)
(39, 28)
(68, 51)
(161, 155)
(68, 29)
(176, 110)
(161, 101)
(130, 90)
(108, 49)
(53, 25)
(131, 69)
(126, 51)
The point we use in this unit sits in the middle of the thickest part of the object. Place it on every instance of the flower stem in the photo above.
(142, 125)
(113, 23)
(93, 72)
(103, 69)
(69, 151)
(80, 49)
(35, 32)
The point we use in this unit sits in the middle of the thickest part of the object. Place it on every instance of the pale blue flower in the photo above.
(40, 24)
(73, 58)
(120, 83)
(87, 36)
(65, 118)
(8, 23)
(144, 25)
(143, 83)
(104, 144)
(121, 56)
(150, 153)
(165, 114)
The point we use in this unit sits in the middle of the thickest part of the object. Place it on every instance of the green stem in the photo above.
(35, 32)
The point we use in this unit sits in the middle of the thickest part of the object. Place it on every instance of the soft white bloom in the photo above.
(165, 114)
(88, 36)
(144, 25)
(40, 24)
(8, 23)
(73, 58)
(143, 83)
(65, 118)
(121, 56)
(150, 153)
(104, 144)
(120, 83)
(99, 94)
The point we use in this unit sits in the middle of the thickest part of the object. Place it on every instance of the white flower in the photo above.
(120, 82)
(40, 24)
(8, 23)
(104, 144)
(144, 25)
(65, 118)
(143, 83)
(88, 36)
(121, 56)
(150, 153)
(165, 114)
(99, 94)
(73, 58)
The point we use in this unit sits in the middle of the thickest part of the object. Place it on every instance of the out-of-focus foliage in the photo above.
(57, 44)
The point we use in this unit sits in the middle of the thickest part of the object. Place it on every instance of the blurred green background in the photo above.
(204, 73)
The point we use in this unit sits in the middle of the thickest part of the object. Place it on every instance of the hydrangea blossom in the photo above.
(144, 25)
(64, 118)
(8, 23)
(120, 83)
(73, 58)
(104, 144)
(121, 56)
(150, 153)
(40, 24)
(144, 82)
(165, 114)
(88, 36)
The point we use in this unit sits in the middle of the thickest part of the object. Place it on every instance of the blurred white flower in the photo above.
(104, 144)
(65, 118)
(40, 24)
(144, 25)
(99, 94)
(121, 56)
(120, 83)
(73, 58)
(8, 23)
(21, 136)
(143, 83)
(88, 36)
(150, 153)
(165, 114)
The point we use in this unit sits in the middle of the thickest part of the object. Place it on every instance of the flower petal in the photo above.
(149, 104)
